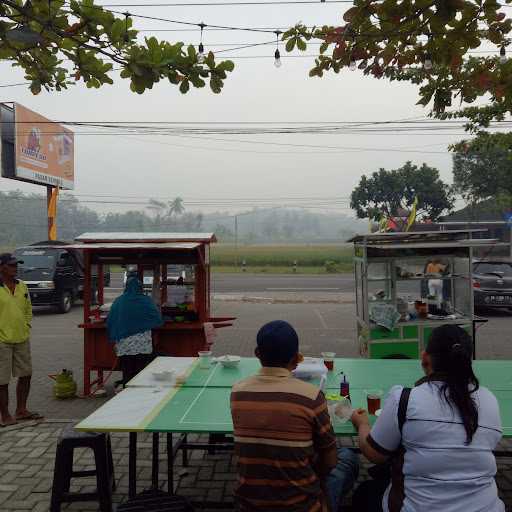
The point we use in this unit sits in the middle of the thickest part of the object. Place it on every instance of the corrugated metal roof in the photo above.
(434, 245)
(145, 237)
(162, 246)
(414, 235)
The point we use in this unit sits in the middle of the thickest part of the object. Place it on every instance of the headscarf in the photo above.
(132, 312)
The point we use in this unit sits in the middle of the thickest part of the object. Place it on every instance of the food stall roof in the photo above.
(436, 245)
(462, 235)
(145, 238)
(136, 246)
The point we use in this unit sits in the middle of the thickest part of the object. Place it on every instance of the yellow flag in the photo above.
(52, 214)
(383, 224)
(412, 216)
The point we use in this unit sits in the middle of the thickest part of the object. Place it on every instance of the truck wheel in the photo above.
(65, 302)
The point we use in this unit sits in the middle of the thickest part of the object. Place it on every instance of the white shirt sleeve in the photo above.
(385, 435)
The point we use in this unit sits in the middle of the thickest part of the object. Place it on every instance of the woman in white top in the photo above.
(442, 460)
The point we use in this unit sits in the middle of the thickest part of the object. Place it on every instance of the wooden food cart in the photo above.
(409, 283)
(184, 299)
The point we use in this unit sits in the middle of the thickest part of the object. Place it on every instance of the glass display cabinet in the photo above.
(409, 283)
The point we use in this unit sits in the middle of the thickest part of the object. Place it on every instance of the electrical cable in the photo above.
(213, 4)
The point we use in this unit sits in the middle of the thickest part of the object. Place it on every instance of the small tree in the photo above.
(176, 207)
(386, 193)
(482, 167)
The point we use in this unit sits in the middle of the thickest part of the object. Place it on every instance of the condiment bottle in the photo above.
(345, 387)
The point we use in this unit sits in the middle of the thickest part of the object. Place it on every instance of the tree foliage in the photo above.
(386, 193)
(65, 42)
(482, 167)
(394, 39)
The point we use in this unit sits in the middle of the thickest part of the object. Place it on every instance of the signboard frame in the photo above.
(35, 149)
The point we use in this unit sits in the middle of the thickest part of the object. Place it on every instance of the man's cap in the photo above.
(278, 341)
(7, 258)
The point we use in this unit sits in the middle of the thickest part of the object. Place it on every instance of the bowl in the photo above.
(229, 361)
(163, 375)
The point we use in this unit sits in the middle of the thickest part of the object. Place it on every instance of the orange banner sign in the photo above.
(44, 150)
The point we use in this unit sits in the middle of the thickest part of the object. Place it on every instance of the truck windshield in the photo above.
(36, 259)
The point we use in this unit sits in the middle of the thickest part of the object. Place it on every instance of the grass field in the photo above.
(311, 259)
(278, 259)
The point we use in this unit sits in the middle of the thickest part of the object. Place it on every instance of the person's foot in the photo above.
(25, 414)
(7, 421)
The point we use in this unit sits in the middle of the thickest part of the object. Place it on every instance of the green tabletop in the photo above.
(217, 376)
(361, 373)
(202, 403)
(200, 410)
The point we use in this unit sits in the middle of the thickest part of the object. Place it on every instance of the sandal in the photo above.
(3, 425)
(30, 416)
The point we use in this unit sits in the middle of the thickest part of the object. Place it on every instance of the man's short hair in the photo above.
(277, 342)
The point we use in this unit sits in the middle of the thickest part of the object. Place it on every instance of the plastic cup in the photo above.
(329, 360)
(339, 408)
(205, 359)
(373, 398)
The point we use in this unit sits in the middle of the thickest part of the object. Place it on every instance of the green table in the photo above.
(201, 404)
(195, 410)
(361, 373)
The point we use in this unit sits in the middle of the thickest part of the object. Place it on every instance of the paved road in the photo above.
(258, 283)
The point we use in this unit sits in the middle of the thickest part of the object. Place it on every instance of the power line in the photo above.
(251, 2)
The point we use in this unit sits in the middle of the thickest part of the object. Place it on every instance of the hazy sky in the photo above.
(151, 166)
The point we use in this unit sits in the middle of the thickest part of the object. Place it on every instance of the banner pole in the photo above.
(49, 190)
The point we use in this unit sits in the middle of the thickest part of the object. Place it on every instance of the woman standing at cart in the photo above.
(129, 323)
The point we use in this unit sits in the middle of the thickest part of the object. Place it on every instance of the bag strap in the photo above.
(402, 408)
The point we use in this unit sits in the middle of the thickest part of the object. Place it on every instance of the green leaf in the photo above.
(228, 65)
(191, 52)
(198, 82)
(301, 45)
(117, 30)
(290, 44)
(184, 86)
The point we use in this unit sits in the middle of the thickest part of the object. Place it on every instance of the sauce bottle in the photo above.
(345, 387)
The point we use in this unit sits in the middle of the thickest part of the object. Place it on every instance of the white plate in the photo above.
(377, 412)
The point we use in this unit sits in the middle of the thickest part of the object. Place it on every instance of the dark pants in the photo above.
(341, 479)
(132, 365)
(368, 496)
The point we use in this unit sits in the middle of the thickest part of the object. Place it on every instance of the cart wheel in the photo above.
(65, 302)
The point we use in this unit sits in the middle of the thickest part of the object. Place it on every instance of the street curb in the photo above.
(284, 300)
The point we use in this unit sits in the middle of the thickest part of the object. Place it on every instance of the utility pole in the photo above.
(236, 241)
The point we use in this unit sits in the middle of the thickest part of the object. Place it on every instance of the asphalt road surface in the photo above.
(259, 283)
(57, 342)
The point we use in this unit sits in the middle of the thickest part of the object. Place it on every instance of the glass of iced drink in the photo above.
(373, 398)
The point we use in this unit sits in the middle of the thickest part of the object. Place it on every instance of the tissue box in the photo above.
(310, 368)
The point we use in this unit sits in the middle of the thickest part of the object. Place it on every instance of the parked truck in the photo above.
(54, 276)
